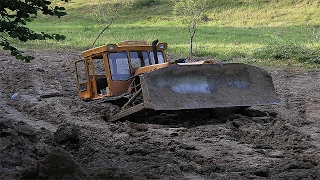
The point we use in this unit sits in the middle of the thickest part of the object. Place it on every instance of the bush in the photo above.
(142, 3)
(288, 51)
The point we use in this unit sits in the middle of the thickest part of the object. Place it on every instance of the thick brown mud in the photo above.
(47, 132)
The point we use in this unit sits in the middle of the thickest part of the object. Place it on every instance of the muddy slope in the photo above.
(48, 132)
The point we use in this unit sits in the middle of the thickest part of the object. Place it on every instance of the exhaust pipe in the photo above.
(155, 51)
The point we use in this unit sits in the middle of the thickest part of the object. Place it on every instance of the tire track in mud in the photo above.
(46, 100)
(301, 100)
(217, 154)
(18, 83)
(9, 112)
(47, 94)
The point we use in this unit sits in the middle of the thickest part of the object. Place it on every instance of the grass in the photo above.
(236, 29)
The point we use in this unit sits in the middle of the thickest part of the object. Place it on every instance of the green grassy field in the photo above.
(235, 30)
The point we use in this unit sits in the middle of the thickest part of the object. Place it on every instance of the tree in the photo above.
(105, 12)
(13, 23)
(190, 11)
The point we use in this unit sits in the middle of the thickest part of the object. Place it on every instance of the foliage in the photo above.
(290, 51)
(233, 30)
(105, 12)
(14, 18)
(190, 11)
(145, 3)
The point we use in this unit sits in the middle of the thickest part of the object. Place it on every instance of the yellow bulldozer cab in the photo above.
(107, 70)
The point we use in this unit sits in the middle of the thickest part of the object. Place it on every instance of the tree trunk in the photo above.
(94, 42)
(191, 47)
(192, 32)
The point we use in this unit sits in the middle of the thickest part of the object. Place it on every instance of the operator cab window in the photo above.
(99, 68)
(100, 74)
(119, 66)
(160, 58)
(139, 59)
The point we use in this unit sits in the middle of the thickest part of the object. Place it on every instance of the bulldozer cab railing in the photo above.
(107, 70)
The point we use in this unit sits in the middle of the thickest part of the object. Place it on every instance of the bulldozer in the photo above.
(137, 76)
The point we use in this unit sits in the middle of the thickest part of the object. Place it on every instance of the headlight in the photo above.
(161, 46)
(111, 47)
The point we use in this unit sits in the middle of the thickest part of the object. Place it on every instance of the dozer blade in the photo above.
(178, 87)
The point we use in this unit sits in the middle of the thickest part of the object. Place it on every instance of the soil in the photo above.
(48, 132)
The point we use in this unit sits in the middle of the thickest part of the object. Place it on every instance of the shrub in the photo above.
(142, 3)
(280, 51)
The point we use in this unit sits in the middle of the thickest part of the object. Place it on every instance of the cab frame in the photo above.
(109, 70)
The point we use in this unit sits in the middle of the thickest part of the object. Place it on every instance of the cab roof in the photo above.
(122, 46)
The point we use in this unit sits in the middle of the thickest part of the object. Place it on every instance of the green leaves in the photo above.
(14, 51)
(190, 12)
(59, 37)
(14, 16)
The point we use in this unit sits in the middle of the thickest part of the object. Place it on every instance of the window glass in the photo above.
(135, 63)
(119, 66)
(139, 59)
(160, 57)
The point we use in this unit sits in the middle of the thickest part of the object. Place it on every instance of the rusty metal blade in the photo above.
(207, 86)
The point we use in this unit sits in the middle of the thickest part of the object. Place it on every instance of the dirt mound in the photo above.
(46, 131)
(58, 164)
(21, 147)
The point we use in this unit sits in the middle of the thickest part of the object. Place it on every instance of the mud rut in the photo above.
(48, 132)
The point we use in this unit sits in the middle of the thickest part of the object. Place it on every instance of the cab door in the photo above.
(119, 72)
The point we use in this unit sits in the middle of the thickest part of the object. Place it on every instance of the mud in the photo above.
(47, 132)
